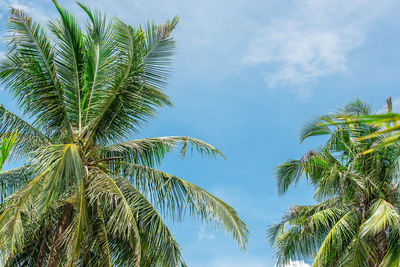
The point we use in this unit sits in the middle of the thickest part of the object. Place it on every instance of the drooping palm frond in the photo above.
(383, 216)
(121, 221)
(337, 239)
(157, 241)
(14, 179)
(174, 196)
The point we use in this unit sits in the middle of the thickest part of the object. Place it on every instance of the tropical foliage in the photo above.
(8, 185)
(355, 221)
(93, 196)
(388, 122)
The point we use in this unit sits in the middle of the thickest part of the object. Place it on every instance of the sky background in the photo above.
(247, 76)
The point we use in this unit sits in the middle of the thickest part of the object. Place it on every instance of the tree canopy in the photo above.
(94, 195)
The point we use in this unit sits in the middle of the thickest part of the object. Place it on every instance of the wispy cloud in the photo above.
(203, 234)
(237, 261)
(34, 9)
(314, 40)
(297, 264)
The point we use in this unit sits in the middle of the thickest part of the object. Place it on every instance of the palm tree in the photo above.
(356, 219)
(94, 196)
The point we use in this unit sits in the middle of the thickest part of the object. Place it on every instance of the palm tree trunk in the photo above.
(382, 246)
(62, 225)
(42, 250)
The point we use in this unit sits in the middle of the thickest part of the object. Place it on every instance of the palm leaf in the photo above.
(29, 71)
(173, 195)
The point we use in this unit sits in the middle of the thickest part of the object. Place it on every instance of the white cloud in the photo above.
(33, 9)
(313, 41)
(297, 264)
(203, 234)
(249, 261)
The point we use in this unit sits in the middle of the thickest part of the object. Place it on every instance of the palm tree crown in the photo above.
(93, 196)
(356, 218)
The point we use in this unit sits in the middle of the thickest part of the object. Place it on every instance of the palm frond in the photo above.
(314, 128)
(157, 241)
(12, 230)
(337, 239)
(174, 195)
(70, 62)
(73, 236)
(121, 221)
(28, 139)
(100, 58)
(383, 215)
(158, 52)
(6, 143)
(151, 151)
(29, 72)
(12, 180)
(129, 99)
(288, 173)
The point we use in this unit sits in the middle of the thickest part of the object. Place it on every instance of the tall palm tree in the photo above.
(356, 219)
(94, 196)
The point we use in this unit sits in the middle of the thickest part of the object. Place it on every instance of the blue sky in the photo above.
(247, 76)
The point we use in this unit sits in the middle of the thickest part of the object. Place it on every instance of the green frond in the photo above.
(121, 221)
(174, 195)
(300, 232)
(288, 173)
(100, 247)
(28, 139)
(61, 161)
(158, 51)
(337, 239)
(12, 218)
(100, 57)
(12, 180)
(151, 151)
(314, 128)
(6, 143)
(29, 72)
(158, 244)
(383, 216)
(74, 235)
(70, 62)
(359, 253)
(130, 98)
(392, 257)
(357, 107)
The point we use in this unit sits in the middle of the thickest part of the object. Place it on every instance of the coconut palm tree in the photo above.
(356, 219)
(94, 196)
